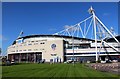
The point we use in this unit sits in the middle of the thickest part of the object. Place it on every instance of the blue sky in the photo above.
(49, 18)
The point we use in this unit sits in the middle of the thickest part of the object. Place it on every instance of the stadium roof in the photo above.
(61, 36)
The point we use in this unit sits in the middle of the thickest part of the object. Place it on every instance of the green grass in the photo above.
(53, 70)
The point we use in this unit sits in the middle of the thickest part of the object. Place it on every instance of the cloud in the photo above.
(3, 38)
(0, 37)
(106, 14)
(52, 29)
(70, 28)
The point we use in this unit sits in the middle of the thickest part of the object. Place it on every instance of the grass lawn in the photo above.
(53, 70)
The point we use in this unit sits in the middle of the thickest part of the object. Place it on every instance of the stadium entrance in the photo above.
(25, 57)
(38, 56)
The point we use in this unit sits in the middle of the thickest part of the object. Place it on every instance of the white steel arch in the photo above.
(82, 29)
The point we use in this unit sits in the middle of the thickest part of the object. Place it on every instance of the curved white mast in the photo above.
(91, 11)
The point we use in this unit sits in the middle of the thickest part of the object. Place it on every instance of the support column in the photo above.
(34, 57)
(20, 58)
(91, 10)
(27, 58)
(95, 37)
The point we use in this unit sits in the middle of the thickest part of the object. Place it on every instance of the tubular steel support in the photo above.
(100, 31)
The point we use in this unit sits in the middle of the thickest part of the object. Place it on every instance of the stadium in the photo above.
(69, 44)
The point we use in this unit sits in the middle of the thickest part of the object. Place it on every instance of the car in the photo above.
(69, 61)
(12, 62)
(41, 61)
(8, 63)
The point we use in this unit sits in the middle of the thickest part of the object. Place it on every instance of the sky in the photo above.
(50, 17)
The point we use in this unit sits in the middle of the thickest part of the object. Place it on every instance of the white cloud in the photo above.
(0, 37)
(70, 28)
(3, 38)
(106, 14)
(52, 29)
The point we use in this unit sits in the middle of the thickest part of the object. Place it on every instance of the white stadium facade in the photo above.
(68, 44)
(59, 48)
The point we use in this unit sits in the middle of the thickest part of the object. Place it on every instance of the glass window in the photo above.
(42, 43)
(29, 49)
(35, 43)
(20, 50)
(24, 50)
(35, 49)
(29, 44)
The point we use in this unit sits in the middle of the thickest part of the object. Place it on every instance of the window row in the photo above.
(27, 44)
(28, 50)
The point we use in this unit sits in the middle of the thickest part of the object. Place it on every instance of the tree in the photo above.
(0, 50)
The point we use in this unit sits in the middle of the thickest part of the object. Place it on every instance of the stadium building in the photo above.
(60, 47)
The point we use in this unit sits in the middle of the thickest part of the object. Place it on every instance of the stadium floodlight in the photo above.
(91, 10)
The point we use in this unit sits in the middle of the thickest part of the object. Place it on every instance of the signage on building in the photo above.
(53, 46)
